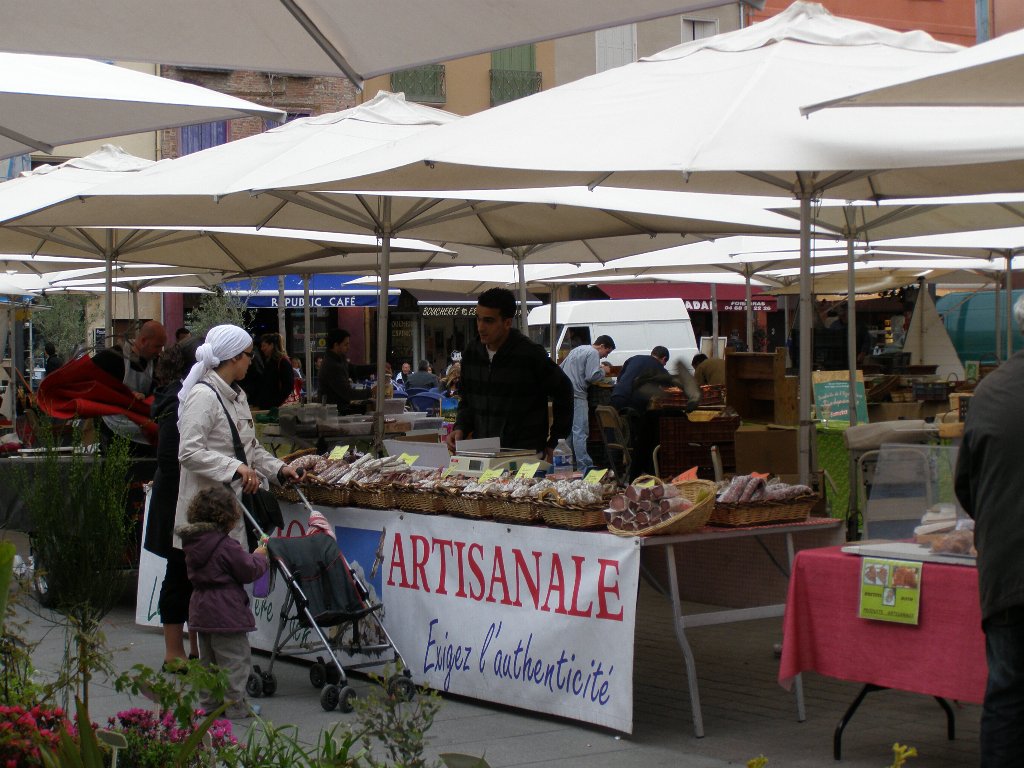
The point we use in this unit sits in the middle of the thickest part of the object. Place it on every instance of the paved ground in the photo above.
(746, 713)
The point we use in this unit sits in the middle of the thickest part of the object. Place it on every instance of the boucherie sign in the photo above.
(531, 617)
(757, 304)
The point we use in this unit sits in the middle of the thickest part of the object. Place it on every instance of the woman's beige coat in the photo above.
(206, 450)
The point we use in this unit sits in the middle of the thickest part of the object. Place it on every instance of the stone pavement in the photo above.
(746, 713)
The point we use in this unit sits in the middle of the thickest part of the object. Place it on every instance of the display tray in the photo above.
(907, 550)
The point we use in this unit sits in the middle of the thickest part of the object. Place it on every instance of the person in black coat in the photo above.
(278, 378)
(176, 590)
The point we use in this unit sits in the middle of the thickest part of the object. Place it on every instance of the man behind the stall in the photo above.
(133, 366)
(989, 486)
(583, 367)
(506, 383)
(336, 376)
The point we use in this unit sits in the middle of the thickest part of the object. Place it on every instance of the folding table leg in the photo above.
(684, 644)
(798, 682)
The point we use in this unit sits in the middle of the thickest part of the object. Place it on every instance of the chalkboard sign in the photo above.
(832, 396)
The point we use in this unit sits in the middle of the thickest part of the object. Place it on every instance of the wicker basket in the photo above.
(763, 512)
(576, 518)
(522, 511)
(701, 493)
(415, 500)
(295, 454)
(284, 493)
(372, 497)
(328, 495)
(467, 505)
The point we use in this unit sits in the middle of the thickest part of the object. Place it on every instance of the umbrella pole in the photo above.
(108, 304)
(804, 395)
(280, 307)
(553, 323)
(750, 314)
(307, 327)
(520, 258)
(135, 308)
(851, 330)
(382, 323)
(714, 320)
(1009, 304)
(998, 321)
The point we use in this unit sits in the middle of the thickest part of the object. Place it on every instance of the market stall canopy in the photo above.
(651, 136)
(471, 280)
(309, 37)
(986, 75)
(229, 249)
(913, 217)
(46, 101)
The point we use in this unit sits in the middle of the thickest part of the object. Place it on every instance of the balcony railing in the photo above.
(425, 85)
(511, 84)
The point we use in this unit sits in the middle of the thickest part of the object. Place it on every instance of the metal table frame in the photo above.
(708, 618)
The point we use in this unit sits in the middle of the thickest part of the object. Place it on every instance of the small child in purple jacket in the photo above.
(218, 567)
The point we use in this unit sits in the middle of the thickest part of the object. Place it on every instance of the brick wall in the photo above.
(302, 95)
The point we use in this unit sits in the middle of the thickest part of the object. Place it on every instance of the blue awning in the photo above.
(330, 291)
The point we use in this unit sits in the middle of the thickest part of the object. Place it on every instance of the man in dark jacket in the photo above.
(335, 378)
(506, 383)
(990, 486)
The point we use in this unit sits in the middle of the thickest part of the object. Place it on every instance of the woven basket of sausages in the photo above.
(757, 500)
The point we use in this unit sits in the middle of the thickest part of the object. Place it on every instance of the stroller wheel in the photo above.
(347, 694)
(333, 675)
(269, 680)
(329, 697)
(254, 685)
(402, 688)
(318, 674)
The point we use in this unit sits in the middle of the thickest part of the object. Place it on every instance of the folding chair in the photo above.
(615, 436)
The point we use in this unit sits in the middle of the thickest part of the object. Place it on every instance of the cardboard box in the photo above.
(764, 448)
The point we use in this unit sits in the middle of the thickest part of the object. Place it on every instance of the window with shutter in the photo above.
(425, 85)
(698, 29)
(192, 138)
(514, 74)
(615, 46)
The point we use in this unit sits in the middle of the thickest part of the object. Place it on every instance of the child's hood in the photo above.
(200, 538)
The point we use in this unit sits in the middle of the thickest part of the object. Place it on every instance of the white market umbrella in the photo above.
(986, 75)
(46, 101)
(309, 37)
(747, 136)
(230, 250)
(213, 187)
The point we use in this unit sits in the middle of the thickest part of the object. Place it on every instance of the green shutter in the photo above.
(514, 74)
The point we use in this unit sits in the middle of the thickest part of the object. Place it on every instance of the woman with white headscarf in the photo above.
(209, 396)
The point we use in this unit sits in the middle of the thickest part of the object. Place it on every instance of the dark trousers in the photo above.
(1002, 718)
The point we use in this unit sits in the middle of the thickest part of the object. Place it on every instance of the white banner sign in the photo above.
(525, 616)
(532, 617)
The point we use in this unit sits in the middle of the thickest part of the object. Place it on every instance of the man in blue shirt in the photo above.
(583, 367)
(631, 397)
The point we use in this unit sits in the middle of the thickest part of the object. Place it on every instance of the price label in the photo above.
(528, 470)
(491, 474)
(409, 459)
(338, 452)
(648, 483)
(595, 476)
(447, 470)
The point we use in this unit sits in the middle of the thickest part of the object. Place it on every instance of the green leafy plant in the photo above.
(397, 726)
(219, 308)
(62, 322)
(80, 537)
(175, 694)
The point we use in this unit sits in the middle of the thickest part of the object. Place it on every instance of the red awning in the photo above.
(697, 296)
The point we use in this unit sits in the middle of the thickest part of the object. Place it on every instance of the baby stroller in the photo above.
(325, 595)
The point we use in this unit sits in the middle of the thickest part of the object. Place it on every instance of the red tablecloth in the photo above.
(944, 655)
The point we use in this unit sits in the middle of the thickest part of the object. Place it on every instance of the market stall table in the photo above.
(683, 621)
(507, 595)
(942, 656)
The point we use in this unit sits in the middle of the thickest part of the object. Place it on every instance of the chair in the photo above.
(429, 402)
(616, 440)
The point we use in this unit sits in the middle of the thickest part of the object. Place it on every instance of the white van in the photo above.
(635, 325)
